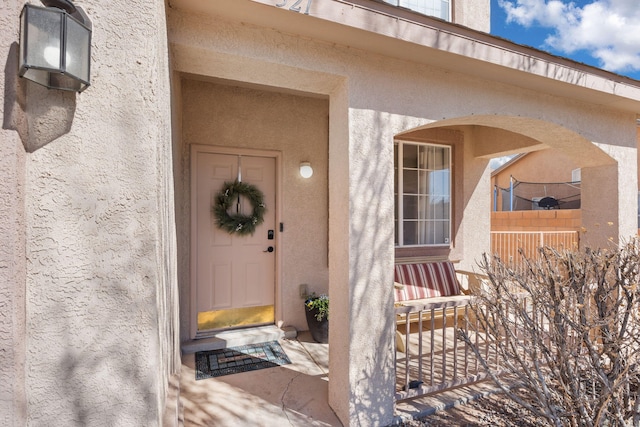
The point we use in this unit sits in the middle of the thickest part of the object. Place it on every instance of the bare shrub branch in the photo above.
(566, 329)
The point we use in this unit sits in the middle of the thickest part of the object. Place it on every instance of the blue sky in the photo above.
(602, 33)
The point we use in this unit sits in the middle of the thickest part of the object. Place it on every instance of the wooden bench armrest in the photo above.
(471, 282)
(442, 306)
(433, 302)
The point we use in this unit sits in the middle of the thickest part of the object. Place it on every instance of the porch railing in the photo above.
(434, 358)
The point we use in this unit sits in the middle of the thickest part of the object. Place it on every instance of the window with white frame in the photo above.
(423, 194)
(438, 8)
(576, 175)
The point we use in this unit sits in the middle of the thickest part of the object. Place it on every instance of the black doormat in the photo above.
(232, 360)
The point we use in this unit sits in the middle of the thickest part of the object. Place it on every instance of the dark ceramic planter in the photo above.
(319, 329)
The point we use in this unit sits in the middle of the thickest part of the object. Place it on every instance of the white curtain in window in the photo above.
(423, 188)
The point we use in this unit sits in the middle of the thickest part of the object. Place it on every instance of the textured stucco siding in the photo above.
(88, 252)
(12, 282)
(473, 14)
(12, 227)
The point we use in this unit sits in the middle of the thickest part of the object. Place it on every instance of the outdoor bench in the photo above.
(432, 289)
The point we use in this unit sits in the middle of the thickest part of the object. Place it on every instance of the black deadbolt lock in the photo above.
(270, 234)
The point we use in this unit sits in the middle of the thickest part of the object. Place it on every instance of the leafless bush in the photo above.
(567, 331)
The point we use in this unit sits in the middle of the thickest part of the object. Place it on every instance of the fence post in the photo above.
(511, 193)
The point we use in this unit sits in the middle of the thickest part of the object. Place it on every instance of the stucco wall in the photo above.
(473, 14)
(296, 126)
(86, 232)
(12, 227)
(538, 166)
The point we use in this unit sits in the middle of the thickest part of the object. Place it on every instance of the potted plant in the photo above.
(317, 311)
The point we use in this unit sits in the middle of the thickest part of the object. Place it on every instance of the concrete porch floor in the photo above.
(289, 395)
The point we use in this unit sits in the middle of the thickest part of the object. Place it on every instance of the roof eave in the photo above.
(386, 30)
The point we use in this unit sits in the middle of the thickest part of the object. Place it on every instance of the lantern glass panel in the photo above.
(43, 38)
(77, 58)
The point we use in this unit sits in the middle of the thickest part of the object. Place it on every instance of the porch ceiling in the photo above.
(379, 28)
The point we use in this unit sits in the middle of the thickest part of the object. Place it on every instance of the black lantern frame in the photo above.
(55, 45)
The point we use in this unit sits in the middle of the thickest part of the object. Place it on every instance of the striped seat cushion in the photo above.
(426, 280)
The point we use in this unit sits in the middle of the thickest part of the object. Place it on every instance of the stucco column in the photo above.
(610, 201)
(474, 237)
(361, 370)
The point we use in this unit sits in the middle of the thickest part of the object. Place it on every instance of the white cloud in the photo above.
(496, 162)
(608, 30)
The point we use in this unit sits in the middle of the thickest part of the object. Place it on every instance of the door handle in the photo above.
(269, 249)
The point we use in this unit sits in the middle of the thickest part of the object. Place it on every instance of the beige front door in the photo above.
(234, 275)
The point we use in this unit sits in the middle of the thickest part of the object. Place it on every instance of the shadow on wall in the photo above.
(376, 178)
(38, 114)
(98, 321)
(99, 372)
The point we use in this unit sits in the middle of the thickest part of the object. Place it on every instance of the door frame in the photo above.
(213, 149)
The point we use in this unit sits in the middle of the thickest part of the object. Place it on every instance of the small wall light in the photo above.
(55, 45)
(306, 171)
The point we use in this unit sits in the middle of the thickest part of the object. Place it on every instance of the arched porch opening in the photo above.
(487, 136)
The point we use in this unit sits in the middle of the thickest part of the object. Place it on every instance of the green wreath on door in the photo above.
(238, 223)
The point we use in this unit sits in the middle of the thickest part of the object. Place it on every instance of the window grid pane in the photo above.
(426, 195)
(438, 8)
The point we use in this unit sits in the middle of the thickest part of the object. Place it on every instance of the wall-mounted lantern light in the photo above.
(306, 171)
(55, 45)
